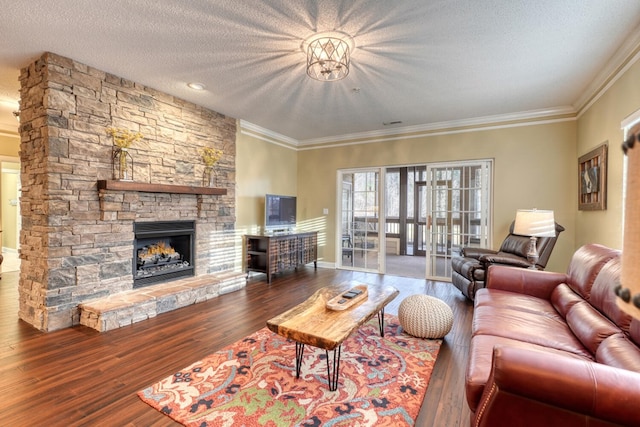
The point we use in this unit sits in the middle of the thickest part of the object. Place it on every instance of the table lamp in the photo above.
(628, 291)
(534, 223)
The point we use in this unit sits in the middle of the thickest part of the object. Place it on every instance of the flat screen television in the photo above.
(279, 212)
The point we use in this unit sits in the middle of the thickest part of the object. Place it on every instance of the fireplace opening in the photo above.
(162, 251)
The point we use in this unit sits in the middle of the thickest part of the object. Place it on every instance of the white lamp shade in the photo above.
(534, 222)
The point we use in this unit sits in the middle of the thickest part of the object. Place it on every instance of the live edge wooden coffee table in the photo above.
(312, 323)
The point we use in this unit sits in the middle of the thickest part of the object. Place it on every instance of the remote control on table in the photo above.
(348, 298)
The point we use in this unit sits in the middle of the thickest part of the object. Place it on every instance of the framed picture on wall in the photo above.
(592, 179)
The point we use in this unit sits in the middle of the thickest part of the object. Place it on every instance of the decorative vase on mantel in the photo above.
(209, 176)
(122, 160)
(122, 164)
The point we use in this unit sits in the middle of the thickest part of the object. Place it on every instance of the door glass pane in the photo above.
(360, 218)
(458, 202)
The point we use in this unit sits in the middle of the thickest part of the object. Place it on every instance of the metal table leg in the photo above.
(332, 377)
(381, 321)
(299, 353)
(332, 374)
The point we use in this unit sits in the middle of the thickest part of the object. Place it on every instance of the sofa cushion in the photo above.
(505, 258)
(479, 366)
(516, 301)
(544, 328)
(589, 326)
(517, 245)
(563, 298)
(585, 265)
(604, 299)
(634, 331)
(618, 351)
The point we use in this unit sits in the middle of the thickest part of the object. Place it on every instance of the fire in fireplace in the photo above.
(163, 251)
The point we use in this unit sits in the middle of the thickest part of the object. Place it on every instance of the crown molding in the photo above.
(258, 132)
(404, 136)
(626, 56)
(452, 126)
(526, 118)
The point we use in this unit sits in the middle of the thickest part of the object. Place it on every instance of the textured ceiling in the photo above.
(416, 61)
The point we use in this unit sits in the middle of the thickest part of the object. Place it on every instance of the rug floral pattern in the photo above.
(252, 382)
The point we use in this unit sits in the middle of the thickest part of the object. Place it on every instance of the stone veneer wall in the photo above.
(76, 242)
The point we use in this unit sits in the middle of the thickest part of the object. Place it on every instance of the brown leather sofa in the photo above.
(469, 270)
(553, 349)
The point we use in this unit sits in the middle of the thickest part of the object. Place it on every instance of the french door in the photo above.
(359, 220)
(446, 207)
(458, 197)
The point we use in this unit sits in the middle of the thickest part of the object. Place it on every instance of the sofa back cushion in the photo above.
(563, 298)
(634, 331)
(603, 298)
(590, 326)
(585, 265)
(517, 245)
(620, 352)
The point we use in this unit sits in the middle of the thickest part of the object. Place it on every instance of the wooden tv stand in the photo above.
(277, 253)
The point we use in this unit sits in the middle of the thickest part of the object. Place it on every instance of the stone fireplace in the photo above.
(78, 237)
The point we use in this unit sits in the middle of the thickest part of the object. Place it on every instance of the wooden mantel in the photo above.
(158, 188)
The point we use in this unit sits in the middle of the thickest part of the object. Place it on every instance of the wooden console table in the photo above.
(278, 253)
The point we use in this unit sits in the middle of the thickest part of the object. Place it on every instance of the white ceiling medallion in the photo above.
(328, 55)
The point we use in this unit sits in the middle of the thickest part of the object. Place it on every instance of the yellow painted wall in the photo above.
(261, 167)
(9, 149)
(9, 205)
(601, 123)
(534, 166)
(9, 145)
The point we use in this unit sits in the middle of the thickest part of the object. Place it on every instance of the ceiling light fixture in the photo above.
(196, 86)
(328, 55)
(16, 114)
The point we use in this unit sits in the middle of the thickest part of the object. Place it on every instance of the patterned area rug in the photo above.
(252, 382)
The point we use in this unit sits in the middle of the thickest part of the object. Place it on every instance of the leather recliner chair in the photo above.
(468, 270)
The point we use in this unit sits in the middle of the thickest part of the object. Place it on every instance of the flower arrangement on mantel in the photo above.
(210, 157)
(123, 138)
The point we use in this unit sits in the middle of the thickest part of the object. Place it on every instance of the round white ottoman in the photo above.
(425, 317)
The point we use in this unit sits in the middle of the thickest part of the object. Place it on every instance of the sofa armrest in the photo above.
(542, 389)
(522, 280)
(469, 252)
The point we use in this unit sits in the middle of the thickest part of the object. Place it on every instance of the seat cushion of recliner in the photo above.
(506, 259)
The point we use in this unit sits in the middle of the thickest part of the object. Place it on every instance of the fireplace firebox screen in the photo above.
(163, 251)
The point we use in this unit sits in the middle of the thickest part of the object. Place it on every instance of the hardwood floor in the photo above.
(78, 376)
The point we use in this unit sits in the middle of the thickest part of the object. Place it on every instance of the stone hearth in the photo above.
(133, 306)
(77, 238)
